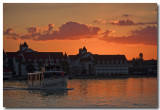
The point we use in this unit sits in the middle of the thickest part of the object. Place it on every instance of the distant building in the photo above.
(26, 56)
(26, 59)
(24, 48)
(82, 63)
(111, 64)
(87, 63)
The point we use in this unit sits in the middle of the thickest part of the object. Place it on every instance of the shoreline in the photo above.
(94, 77)
(113, 77)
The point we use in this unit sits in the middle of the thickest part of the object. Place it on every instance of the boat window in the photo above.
(33, 77)
(28, 77)
(42, 77)
(49, 75)
(38, 77)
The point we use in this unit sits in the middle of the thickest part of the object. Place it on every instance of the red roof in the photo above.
(101, 57)
(25, 44)
(73, 57)
(109, 57)
(36, 55)
(11, 54)
(14, 54)
(43, 55)
(5, 69)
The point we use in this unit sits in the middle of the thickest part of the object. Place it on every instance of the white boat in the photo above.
(51, 77)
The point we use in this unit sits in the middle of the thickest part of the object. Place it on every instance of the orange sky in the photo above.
(103, 28)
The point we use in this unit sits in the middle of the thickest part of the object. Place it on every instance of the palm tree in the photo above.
(141, 56)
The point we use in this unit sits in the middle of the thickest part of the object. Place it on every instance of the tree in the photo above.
(141, 56)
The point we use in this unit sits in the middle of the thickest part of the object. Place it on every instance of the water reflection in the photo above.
(126, 92)
(46, 93)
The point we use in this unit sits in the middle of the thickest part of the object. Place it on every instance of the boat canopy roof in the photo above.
(53, 66)
(37, 72)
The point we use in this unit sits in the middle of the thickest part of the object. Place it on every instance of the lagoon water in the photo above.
(125, 92)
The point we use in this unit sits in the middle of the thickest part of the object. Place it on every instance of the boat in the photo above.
(50, 77)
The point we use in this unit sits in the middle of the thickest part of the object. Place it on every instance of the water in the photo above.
(126, 92)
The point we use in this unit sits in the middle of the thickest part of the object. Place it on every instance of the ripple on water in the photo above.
(128, 92)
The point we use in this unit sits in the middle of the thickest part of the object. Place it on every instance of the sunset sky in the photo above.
(104, 28)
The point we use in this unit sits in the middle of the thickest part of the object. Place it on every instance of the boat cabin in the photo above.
(47, 73)
(52, 68)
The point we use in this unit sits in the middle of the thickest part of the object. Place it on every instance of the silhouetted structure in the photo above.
(26, 59)
(139, 66)
(87, 63)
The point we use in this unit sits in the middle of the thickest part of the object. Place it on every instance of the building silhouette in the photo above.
(81, 64)
(87, 63)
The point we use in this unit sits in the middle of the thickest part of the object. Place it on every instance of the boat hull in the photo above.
(54, 83)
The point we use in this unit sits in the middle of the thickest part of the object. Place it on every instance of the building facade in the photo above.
(111, 64)
(26, 59)
(84, 63)
(87, 63)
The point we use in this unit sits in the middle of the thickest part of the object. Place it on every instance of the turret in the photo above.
(23, 46)
(65, 55)
(20, 47)
(82, 51)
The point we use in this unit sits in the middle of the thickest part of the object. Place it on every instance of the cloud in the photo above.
(123, 22)
(32, 30)
(75, 30)
(100, 21)
(126, 15)
(147, 36)
(50, 27)
(145, 23)
(10, 33)
(129, 22)
(68, 31)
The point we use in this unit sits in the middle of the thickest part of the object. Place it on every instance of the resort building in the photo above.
(82, 63)
(26, 60)
(111, 64)
(87, 63)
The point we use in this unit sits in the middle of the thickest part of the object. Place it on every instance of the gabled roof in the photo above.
(43, 55)
(28, 49)
(24, 45)
(74, 57)
(11, 54)
(14, 54)
(36, 55)
(84, 48)
(109, 57)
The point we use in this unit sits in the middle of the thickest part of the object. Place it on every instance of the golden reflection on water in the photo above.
(128, 89)
(126, 92)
